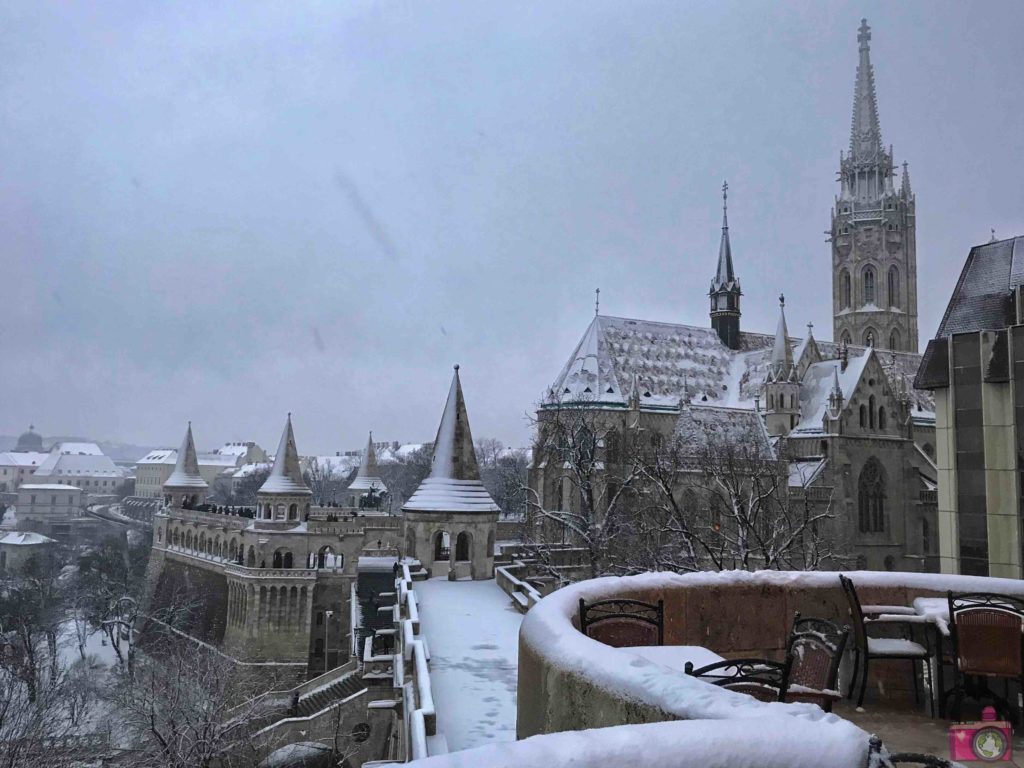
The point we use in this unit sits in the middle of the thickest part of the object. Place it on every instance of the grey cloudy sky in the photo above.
(223, 212)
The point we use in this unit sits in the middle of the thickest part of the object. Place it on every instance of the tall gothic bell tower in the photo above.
(874, 245)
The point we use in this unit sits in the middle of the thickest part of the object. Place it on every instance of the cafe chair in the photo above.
(623, 623)
(986, 632)
(866, 647)
(763, 679)
(816, 646)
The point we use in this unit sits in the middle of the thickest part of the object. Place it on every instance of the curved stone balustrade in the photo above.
(569, 682)
(234, 569)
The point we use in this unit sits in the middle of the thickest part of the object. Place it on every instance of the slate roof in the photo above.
(664, 356)
(982, 300)
(286, 475)
(454, 481)
(699, 427)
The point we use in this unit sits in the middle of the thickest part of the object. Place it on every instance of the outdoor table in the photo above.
(935, 611)
(676, 656)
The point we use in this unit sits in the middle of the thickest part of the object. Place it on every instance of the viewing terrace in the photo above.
(631, 689)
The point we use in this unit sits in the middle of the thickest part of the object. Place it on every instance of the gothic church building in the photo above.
(843, 413)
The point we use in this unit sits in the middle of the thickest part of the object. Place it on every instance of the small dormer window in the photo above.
(587, 389)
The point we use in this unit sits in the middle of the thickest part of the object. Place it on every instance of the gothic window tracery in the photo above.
(894, 287)
(845, 289)
(871, 411)
(871, 498)
(869, 285)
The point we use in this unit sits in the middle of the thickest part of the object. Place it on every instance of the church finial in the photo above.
(864, 35)
(993, 238)
(782, 355)
(810, 330)
(725, 205)
(597, 301)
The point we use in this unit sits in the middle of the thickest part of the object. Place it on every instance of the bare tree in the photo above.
(503, 472)
(188, 706)
(595, 499)
(404, 475)
(321, 479)
(727, 504)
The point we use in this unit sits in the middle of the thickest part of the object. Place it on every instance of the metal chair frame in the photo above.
(594, 614)
(749, 676)
(820, 634)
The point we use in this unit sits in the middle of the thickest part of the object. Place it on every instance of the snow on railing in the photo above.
(512, 585)
(420, 714)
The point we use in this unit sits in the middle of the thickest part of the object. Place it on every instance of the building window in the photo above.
(894, 287)
(926, 537)
(894, 340)
(846, 294)
(871, 411)
(611, 447)
(846, 338)
(871, 498)
(881, 417)
(869, 285)
(566, 491)
(863, 416)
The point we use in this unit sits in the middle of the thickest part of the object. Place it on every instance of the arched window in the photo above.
(441, 545)
(869, 285)
(846, 293)
(611, 447)
(869, 337)
(894, 287)
(863, 415)
(871, 498)
(293, 512)
(846, 338)
(462, 546)
(894, 340)
(881, 417)
(288, 561)
(871, 411)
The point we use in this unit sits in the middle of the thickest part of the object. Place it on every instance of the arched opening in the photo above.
(490, 543)
(442, 545)
(846, 338)
(863, 415)
(293, 512)
(894, 287)
(871, 498)
(871, 411)
(250, 560)
(279, 512)
(869, 337)
(282, 558)
(846, 294)
(327, 558)
(462, 546)
(869, 285)
(894, 340)
(881, 417)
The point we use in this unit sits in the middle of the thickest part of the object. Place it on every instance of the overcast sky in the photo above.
(227, 213)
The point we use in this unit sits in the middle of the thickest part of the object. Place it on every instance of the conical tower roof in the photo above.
(186, 470)
(368, 475)
(286, 475)
(454, 481)
(865, 131)
(782, 354)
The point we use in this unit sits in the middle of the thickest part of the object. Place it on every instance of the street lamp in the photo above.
(327, 632)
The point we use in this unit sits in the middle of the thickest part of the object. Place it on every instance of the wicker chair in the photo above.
(623, 623)
(987, 634)
(867, 648)
(816, 646)
(763, 679)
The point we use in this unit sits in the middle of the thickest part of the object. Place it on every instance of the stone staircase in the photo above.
(319, 700)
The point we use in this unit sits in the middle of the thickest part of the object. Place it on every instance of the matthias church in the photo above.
(843, 413)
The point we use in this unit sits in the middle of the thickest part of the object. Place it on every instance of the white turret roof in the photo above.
(454, 481)
(286, 475)
(186, 470)
(368, 475)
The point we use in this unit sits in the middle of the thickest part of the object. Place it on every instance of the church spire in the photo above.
(286, 474)
(725, 288)
(186, 469)
(782, 354)
(865, 131)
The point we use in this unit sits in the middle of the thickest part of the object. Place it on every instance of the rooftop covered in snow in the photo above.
(286, 475)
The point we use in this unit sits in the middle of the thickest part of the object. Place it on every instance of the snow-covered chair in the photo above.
(817, 648)
(763, 679)
(623, 623)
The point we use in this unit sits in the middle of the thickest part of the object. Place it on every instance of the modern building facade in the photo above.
(975, 368)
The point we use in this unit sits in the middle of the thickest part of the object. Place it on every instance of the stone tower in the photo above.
(185, 488)
(781, 385)
(725, 288)
(284, 498)
(874, 247)
(451, 520)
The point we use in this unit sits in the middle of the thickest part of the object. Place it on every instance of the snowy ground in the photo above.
(472, 631)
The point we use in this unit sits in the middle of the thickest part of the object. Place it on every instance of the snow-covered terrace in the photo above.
(586, 704)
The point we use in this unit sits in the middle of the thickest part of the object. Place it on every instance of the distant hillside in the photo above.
(119, 452)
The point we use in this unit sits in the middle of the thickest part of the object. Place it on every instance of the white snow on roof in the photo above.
(375, 563)
(89, 449)
(48, 487)
(78, 464)
(22, 459)
(440, 494)
(473, 633)
(160, 456)
(248, 469)
(25, 538)
(186, 468)
(286, 474)
(817, 384)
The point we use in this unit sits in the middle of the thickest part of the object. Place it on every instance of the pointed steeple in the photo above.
(453, 484)
(865, 131)
(368, 475)
(725, 287)
(905, 192)
(186, 469)
(286, 475)
(724, 275)
(782, 354)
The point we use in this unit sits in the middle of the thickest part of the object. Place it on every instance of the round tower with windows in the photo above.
(284, 496)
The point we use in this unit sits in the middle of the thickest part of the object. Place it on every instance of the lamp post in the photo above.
(327, 632)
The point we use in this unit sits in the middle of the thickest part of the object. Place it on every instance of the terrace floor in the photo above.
(472, 632)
